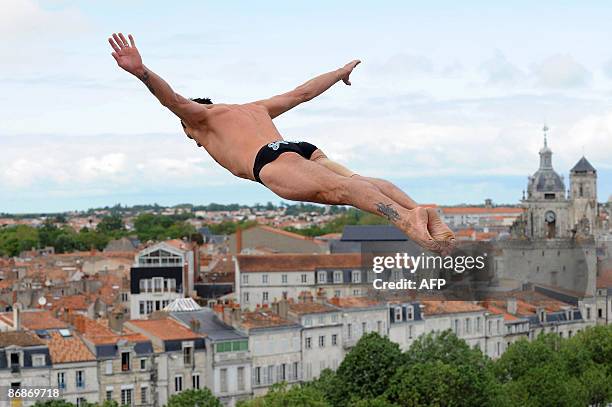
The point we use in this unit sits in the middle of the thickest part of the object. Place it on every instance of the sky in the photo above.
(448, 103)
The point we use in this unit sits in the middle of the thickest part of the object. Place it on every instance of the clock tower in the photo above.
(547, 207)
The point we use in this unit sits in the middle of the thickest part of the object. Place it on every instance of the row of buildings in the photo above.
(238, 353)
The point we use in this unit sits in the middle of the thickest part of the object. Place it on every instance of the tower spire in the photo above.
(545, 130)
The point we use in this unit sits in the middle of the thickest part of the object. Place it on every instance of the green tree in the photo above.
(366, 371)
(280, 395)
(440, 369)
(194, 398)
(111, 224)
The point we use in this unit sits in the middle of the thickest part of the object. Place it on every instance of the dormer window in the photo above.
(38, 360)
(398, 314)
(409, 313)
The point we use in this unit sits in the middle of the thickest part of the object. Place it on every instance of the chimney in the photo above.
(227, 315)
(236, 316)
(79, 323)
(16, 316)
(238, 240)
(283, 308)
(275, 307)
(321, 296)
(116, 320)
(511, 305)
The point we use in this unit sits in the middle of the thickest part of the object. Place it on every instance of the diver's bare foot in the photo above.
(440, 232)
(414, 224)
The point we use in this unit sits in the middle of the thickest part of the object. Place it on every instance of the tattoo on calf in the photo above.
(145, 80)
(388, 211)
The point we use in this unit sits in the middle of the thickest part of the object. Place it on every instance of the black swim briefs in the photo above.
(272, 151)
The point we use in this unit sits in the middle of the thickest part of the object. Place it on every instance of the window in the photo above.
(588, 312)
(599, 313)
(257, 375)
(364, 328)
(245, 297)
(334, 318)
(497, 324)
(379, 327)
(141, 306)
(308, 343)
(178, 383)
(456, 327)
(409, 313)
(125, 361)
(334, 339)
(126, 397)
(321, 319)
(61, 380)
(143, 364)
(81, 401)
(490, 327)
(284, 278)
(356, 275)
(265, 296)
(398, 314)
(321, 341)
(477, 324)
(269, 374)
(304, 278)
(195, 381)
(337, 277)
(109, 395)
(349, 328)
(38, 360)
(223, 374)
(157, 284)
(245, 279)
(80, 379)
(144, 397)
(264, 279)
(295, 373)
(109, 367)
(307, 321)
(410, 331)
(337, 293)
(240, 378)
(468, 325)
(322, 277)
(188, 355)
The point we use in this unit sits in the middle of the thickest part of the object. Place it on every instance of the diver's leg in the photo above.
(292, 177)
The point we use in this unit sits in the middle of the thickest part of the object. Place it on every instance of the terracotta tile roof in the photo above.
(355, 302)
(263, 319)
(98, 332)
(302, 308)
(449, 307)
(68, 349)
(78, 302)
(297, 262)
(498, 311)
(165, 329)
(604, 279)
(19, 338)
(35, 320)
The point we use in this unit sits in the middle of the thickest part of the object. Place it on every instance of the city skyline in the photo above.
(448, 121)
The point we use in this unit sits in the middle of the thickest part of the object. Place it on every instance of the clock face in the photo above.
(550, 216)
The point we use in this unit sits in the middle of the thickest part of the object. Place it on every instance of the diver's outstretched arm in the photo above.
(128, 58)
(279, 104)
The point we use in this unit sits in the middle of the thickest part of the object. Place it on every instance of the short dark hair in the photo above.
(202, 101)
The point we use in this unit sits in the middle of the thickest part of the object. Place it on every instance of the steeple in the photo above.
(545, 152)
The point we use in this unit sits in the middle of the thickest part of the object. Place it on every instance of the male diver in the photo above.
(243, 139)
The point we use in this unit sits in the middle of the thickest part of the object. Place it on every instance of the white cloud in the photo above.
(500, 71)
(561, 71)
(25, 19)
